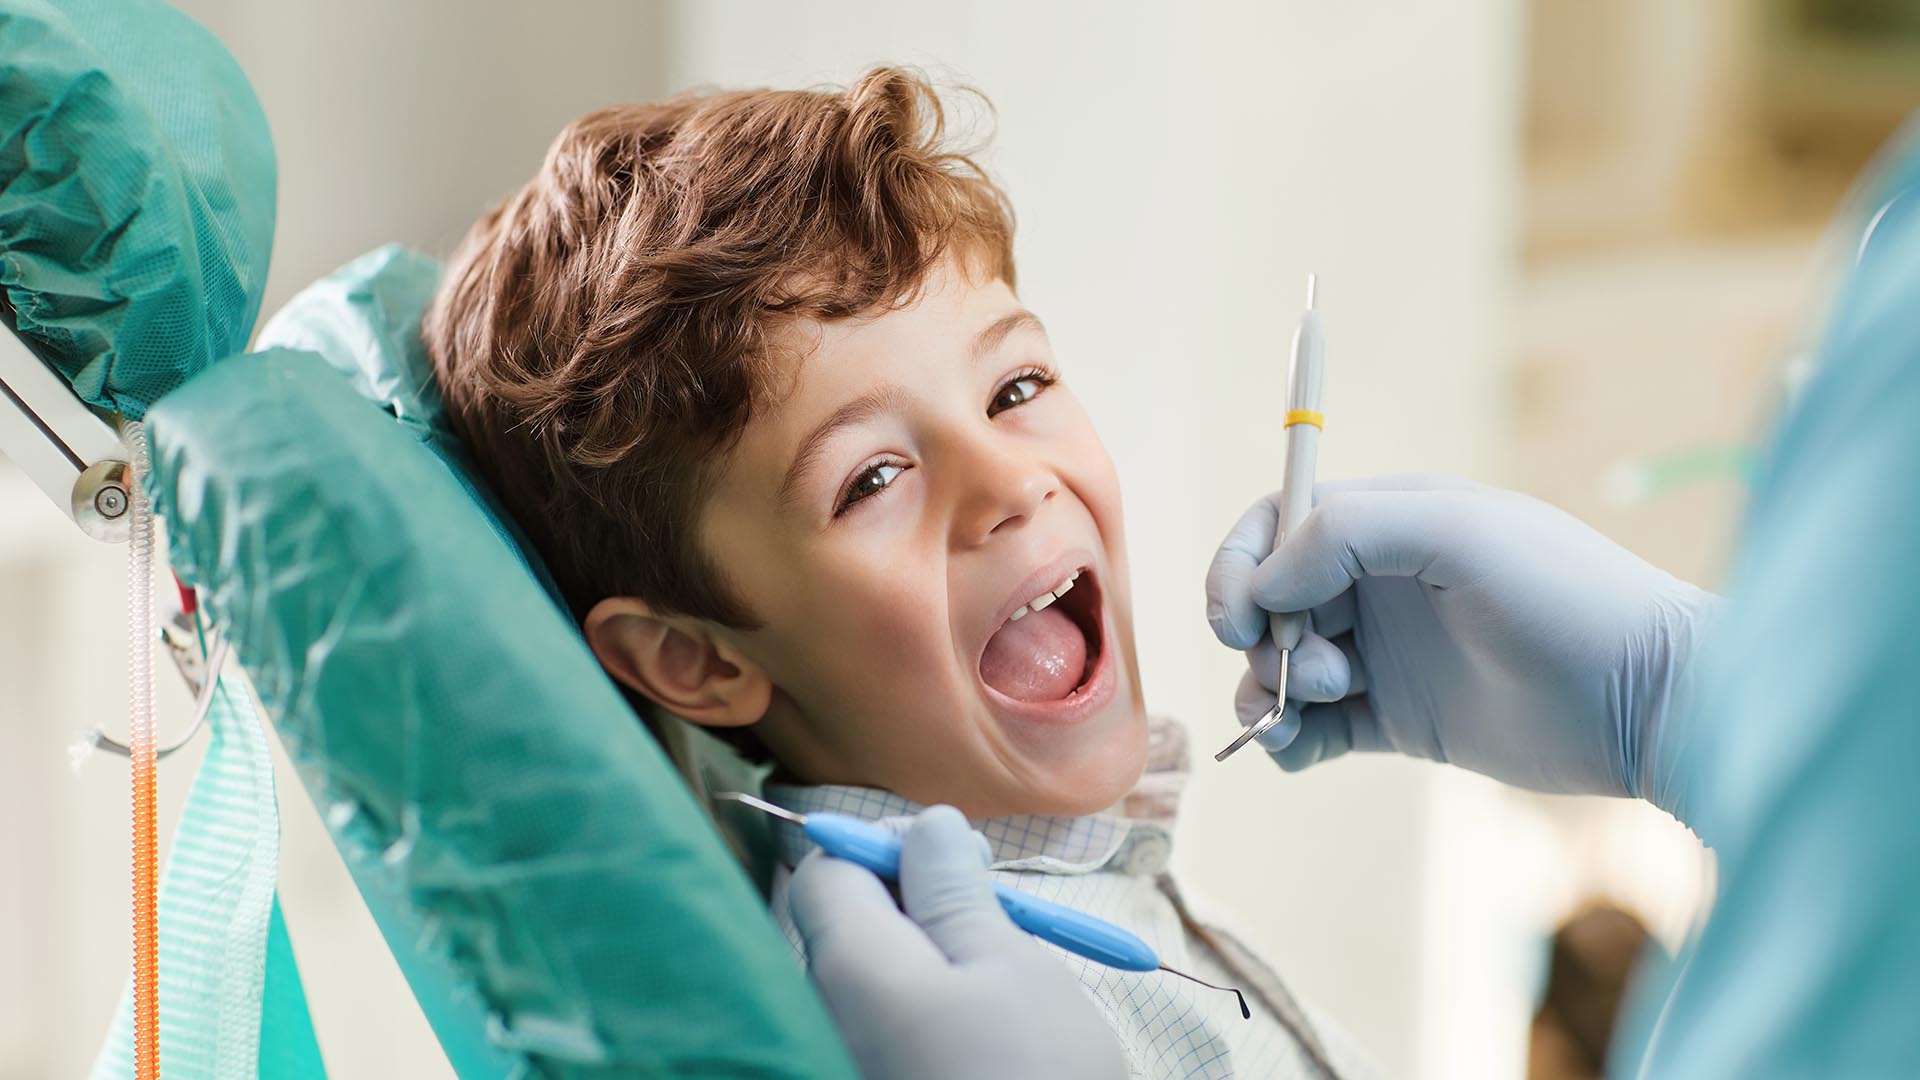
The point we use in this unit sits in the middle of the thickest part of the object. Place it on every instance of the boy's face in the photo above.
(922, 482)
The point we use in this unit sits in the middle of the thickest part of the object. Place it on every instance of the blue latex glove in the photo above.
(951, 988)
(1461, 623)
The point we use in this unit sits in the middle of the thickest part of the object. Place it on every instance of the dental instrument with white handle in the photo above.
(868, 845)
(1306, 374)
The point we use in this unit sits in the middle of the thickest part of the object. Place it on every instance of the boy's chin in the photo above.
(1089, 801)
(1097, 780)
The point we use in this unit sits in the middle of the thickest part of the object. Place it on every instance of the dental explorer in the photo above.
(866, 844)
(1306, 373)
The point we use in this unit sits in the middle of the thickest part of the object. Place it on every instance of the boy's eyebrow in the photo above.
(882, 398)
(997, 331)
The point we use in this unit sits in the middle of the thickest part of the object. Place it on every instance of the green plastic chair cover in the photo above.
(556, 898)
(552, 892)
(136, 195)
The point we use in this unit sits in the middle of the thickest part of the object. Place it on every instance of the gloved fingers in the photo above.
(1356, 664)
(1328, 731)
(1250, 699)
(1357, 534)
(1316, 670)
(1236, 620)
(945, 888)
(844, 914)
(1338, 615)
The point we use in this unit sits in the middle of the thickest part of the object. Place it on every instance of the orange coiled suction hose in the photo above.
(146, 930)
(145, 758)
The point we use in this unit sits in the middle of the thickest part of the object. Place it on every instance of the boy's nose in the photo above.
(1001, 490)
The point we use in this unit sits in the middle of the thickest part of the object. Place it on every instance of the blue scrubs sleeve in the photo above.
(1803, 753)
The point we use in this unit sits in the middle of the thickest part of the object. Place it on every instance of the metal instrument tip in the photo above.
(761, 804)
(1245, 1013)
(1313, 290)
(1274, 715)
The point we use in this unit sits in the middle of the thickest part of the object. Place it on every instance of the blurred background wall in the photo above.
(1562, 246)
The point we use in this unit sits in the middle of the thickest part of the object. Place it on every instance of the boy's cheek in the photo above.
(1101, 491)
(836, 655)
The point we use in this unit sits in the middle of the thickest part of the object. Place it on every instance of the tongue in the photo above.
(1039, 658)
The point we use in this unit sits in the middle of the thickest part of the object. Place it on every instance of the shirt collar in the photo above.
(1133, 837)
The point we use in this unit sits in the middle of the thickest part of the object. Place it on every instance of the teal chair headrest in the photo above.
(364, 320)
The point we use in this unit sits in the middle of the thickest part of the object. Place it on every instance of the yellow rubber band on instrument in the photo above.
(1305, 416)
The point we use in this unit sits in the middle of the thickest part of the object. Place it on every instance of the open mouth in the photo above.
(1050, 647)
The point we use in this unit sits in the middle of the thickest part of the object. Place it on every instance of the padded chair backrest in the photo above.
(556, 898)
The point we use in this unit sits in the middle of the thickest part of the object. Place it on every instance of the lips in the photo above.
(1045, 658)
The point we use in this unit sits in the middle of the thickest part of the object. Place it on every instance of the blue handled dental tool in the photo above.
(1306, 373)
(868, 845)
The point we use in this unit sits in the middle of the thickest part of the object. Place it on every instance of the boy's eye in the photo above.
(872, 481)
(1019, 390)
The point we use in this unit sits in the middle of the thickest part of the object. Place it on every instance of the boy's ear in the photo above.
(678, 662)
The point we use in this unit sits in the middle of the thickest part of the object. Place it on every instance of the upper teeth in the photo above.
(1045, 598)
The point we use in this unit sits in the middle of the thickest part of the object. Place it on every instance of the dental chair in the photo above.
(536, 856)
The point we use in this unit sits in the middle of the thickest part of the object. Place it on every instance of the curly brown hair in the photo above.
(603, 336)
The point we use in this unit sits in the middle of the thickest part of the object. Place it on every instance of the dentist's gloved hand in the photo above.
(1467, 624)
(951, 989)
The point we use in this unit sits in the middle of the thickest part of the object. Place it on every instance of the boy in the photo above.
(750, 370)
